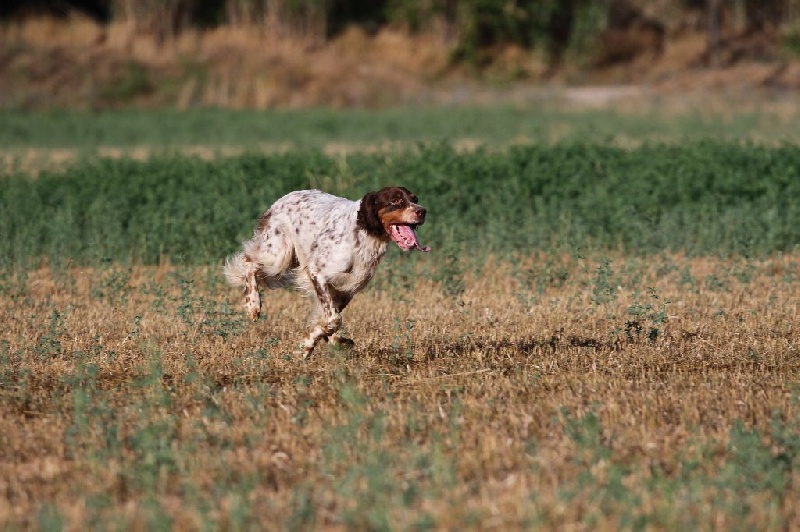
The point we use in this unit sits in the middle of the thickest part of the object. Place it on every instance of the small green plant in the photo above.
(151, 442)
(158, 292)
(135, 329)
(754, 465)
(303, 505)
(604, 285)
(220, 319)
(648, 318)
(114, 284)
(49, 345)
(745, 273)
(186, 303)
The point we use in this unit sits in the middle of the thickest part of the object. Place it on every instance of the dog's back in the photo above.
(301, 229)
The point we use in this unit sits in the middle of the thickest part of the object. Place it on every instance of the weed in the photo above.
(603, 285)
(186, 305)
(49, 345)
(159, 294)
(136, 329)
(744, 274)
(553, 274)
(648, 317)
(114, 285)
(220, 319)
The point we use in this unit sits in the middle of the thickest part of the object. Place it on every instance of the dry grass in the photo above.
(140, 396)
(77, 63)
(46, 63)
(33, 161)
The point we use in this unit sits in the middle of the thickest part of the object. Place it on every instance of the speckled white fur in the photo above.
(310, 239)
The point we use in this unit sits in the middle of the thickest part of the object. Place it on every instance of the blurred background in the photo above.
(98, 54)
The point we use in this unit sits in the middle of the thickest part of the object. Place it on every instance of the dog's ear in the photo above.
(368, 218)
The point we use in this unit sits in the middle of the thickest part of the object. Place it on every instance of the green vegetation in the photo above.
(604, 336)
(215, 129)
(701, 198)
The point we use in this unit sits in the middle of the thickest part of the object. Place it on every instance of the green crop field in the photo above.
(492, 125)
(604, 336)
(703, 197)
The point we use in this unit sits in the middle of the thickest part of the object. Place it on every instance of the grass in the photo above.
(702, 198)
(603, 338)
(87, 131)
(139, 397)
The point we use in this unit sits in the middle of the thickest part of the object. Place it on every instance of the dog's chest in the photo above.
(360, 267)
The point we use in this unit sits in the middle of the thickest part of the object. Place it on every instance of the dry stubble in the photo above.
(466, 398)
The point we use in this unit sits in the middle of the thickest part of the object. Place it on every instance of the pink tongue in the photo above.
(404, 237)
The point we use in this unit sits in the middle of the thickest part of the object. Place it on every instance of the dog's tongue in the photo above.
(405, 237)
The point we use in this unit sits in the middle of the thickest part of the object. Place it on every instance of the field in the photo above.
(32, 142)
(604, 336)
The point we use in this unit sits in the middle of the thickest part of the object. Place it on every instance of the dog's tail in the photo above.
(235, 269)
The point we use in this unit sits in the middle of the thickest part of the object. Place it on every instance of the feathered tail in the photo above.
(235, 269)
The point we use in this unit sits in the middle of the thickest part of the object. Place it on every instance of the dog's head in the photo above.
(393, 212)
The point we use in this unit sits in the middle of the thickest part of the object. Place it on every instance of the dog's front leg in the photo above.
(328, 320)
(340, 301)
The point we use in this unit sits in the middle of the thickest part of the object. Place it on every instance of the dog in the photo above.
(327, 246)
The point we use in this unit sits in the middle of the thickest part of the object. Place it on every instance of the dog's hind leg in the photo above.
(252, 299)
(266, 263)
(241, 271)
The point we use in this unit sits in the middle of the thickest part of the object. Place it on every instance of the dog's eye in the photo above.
(397, 201)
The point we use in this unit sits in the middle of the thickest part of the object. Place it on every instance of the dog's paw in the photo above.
(252, 313)
(308, 345)
(342, 342)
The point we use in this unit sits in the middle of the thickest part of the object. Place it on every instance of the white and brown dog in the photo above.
(327, 246)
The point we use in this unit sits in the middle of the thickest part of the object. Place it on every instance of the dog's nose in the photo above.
(420, 211)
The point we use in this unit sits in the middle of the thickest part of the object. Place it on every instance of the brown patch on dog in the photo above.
(263, 221)
(387, 206)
